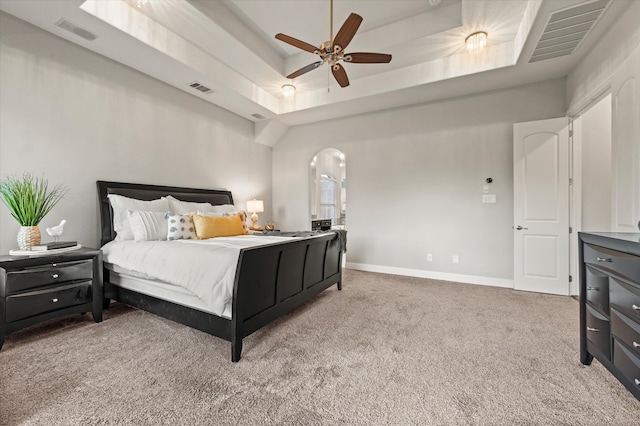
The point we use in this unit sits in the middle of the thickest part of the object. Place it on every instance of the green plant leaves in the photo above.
(29, 198)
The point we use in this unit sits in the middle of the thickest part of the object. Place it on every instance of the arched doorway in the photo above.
(327, 187)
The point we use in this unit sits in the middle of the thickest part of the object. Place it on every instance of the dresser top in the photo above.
(623, 241)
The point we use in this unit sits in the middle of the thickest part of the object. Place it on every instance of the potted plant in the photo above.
(29, 200)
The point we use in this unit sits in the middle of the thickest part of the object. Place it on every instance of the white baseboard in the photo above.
(444, 276)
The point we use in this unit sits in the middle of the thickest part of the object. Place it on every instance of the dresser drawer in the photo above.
(36, 302)
(34, 277)
(627, 363)
(625, 297)
(626, 330)
(598, 331)
(597, 289)
(623, 264)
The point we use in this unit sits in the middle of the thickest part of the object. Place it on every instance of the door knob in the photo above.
(519, 228)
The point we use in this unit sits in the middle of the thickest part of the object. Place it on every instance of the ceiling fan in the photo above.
(332, 51)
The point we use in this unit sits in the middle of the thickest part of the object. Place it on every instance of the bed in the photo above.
(270, 280)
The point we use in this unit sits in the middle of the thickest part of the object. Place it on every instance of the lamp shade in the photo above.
(255, 206)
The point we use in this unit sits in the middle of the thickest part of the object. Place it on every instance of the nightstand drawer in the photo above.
(34, 277)
(25, 305)
(623, 264)
(625, 298)
(626, 330)
(597, 290)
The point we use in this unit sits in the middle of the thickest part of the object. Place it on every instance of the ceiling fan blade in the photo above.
(340, 74)
(367, 58)
(304, 70)
(346, 32)
(297, 43)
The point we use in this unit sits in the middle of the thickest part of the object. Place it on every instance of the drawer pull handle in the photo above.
(593, 288)
(54, 300)
(54, 276)
(637, 382)
(603, 259)
(592, 329)
(635, 307)
(636, 345)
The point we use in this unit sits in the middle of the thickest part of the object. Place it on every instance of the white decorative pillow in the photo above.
(121, 205)
(210, 214)
(224, 208)
(180, 227)
(148, 226)
(185, 207)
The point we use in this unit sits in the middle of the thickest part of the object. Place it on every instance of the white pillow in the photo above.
(210, 214)
(186, 207)
(180, 227)
(121, 205)
(148, 226)
(224, 208)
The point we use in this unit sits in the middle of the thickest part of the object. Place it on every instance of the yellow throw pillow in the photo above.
(212, 226)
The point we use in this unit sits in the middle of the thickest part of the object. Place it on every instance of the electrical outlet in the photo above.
(455, 259)
(429, 257)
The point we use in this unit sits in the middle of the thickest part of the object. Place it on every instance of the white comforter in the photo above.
(205, 267)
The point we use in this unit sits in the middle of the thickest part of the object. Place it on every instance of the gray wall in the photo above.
(595, 144)
(415, 178)
(77, 117)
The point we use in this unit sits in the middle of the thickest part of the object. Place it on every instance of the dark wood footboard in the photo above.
(273, 280)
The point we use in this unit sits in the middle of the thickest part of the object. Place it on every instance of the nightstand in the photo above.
(38, 288)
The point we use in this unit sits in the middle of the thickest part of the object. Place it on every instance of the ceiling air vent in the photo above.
(200, 87)
(258, 116)
(79, 31)
(566, 29)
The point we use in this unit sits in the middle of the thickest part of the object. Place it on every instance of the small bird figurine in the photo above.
(56, 231)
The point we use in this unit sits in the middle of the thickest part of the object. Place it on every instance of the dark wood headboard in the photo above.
(148, 193)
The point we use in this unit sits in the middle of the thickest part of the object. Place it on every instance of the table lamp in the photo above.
(255, 206)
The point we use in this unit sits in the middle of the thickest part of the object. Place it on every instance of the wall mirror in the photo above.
(327, 187)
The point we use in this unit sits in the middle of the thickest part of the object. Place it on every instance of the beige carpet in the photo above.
(386, 350)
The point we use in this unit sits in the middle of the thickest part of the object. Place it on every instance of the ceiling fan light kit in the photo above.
(476, 42)
(332, 51)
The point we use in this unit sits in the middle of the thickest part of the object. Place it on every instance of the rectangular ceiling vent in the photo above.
(79, 31)
(258, 116)
(566, 29)
(200, 87)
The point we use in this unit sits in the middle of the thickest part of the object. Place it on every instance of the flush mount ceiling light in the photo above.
(476, 42)
(288, 90)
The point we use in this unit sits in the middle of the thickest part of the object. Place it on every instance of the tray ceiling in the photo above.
(228, 46)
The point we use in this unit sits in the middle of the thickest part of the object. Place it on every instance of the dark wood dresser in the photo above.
(38, 288)
(610, 304)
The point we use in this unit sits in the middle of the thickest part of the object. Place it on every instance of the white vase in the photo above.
(28, 236)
